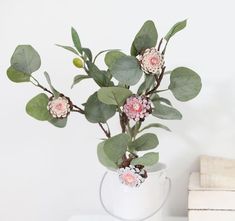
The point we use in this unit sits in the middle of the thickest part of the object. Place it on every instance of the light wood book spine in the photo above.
(217, 172)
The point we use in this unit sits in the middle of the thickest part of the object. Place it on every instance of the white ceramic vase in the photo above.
(136, 204)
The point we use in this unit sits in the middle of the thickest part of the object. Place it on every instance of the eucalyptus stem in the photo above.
(136, 129)
(79, 109)
(107, 133)
(122, 122)
(159, 45)
(37, 84)
(129, 130)
(158, 79)
(158, 91)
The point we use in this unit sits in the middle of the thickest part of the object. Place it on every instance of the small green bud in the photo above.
(78, 62)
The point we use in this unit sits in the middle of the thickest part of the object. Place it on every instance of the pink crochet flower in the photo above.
(59, 107)
(137, 107)
(151, 61)
(131, 176)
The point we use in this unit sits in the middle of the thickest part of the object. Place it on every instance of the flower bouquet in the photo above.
(144, 68)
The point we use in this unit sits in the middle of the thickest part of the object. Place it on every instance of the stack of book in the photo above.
(212, 191)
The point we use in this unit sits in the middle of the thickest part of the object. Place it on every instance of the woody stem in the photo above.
(158, 80)
(37, 84)
(107, 133)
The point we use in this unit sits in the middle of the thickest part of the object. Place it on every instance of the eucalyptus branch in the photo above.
(136, 129)
(158, 79)
(158, 91)
(37, 84)
(79, 109)
(164, 50)
(159, 45)
(107, 133)
(129, 130)
(122, 122)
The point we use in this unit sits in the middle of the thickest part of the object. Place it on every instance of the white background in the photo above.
(48, 174)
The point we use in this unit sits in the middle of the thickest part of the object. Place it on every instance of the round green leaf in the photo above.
(113, 95)
(98, 112)
(17, 76)
(185, 84)
(60, 123)
(165, 112)
(148, 159)
(126, 70)
(103, 158)
(156, 98)
(145, 142)
(112, 56)
(145, 38)
(115, 147)
(37, 107)
(25, 59)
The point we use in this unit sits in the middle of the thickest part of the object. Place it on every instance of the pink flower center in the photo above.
(154, 60)
(137, 107)
(59, 106)
(128, 178)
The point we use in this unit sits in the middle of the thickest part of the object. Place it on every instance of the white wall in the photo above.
(48, 174)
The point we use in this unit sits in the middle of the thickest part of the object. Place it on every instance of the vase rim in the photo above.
(155, 169)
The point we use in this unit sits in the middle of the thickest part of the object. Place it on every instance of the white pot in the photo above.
(136, 204)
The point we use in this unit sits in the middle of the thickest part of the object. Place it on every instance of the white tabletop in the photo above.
(108, 218)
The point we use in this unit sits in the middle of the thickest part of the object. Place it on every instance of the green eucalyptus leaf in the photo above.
(156, 98)
(55, 92)
(37, 107)
(164, 100)
(103, 158)
(147, 84)
(60, 123)
(176, 28)
(113, 95)
(104, 51)
(145, 38)
(108, 74)
(88, 53)
(68, 48)
(126, 70)
(148, 159)
(166, 112)
(112, 56)
(76, 40)
(79, 78)
(98, 112)
(17, 76)
(99, 76)
(145, 142)
(116, 146)
(25, 59)
(157, 125)
(185, 84)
